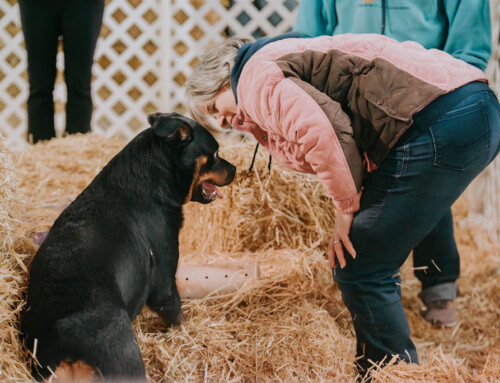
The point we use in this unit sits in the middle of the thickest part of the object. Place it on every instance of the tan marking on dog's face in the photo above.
(77, 372)
(199, 163)
(215, 178)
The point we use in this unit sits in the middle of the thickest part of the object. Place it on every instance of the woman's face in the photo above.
(223, 109)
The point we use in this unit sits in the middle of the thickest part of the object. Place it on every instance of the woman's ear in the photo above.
(170, 125)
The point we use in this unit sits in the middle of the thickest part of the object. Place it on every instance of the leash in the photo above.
(253, 161)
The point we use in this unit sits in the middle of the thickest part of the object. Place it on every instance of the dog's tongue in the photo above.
(211, 191)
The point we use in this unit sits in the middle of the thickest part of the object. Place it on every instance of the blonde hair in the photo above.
(210, 75)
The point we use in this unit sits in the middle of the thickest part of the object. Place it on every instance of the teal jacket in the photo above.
(461, 28)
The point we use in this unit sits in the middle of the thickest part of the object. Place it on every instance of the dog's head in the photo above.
(196, 152)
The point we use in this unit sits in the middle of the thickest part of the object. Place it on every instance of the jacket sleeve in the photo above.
(314, 19)
(296, 111)
(469, 31)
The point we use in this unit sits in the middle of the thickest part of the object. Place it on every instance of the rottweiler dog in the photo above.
(115, 249)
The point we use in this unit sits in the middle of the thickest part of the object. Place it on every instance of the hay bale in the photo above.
(12, 274)
(441, 368)
(52, 173)
(264, 210)
(7, 197)
(290, 325)
(283, 327)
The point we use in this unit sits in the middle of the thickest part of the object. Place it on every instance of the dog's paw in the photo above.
(172, 316)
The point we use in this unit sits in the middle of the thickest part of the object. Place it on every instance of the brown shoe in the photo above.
(440, 313)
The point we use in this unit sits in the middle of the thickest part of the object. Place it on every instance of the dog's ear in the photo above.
(154, 118)
(170, 125)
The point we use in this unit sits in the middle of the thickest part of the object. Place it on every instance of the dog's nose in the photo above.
(232, 173)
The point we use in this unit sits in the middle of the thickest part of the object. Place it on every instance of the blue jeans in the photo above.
(402, 202)
(437, 262)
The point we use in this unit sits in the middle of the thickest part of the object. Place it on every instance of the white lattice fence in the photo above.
(127, 69)
(144, 55)
(13, 77)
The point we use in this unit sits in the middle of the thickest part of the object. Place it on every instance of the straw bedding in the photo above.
(11, 275)
(290, 325)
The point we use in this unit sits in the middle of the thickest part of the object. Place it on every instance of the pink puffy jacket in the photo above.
(335, 106)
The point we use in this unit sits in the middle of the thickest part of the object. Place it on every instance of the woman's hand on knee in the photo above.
(340, 240)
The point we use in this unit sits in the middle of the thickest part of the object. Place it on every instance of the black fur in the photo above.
(115, 249)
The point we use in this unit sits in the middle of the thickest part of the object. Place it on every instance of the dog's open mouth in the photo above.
(210, 191)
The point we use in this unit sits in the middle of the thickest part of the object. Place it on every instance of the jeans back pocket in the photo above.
(461, 136)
